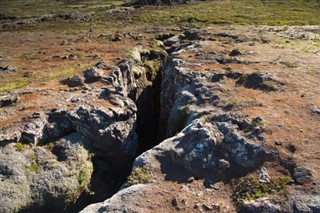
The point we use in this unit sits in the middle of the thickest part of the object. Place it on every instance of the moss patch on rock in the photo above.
(140, 175)
(249, 187)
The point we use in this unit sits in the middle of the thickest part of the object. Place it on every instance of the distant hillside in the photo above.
(157, 2)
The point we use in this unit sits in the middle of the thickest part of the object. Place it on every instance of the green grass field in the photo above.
(257, 12)
(37, 8)
(265, 12)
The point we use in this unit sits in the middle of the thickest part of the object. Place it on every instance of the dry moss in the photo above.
(21, 146)
(140, 175)
(249, 187)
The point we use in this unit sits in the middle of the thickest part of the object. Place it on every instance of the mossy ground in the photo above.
(21, 146)
(249, 187)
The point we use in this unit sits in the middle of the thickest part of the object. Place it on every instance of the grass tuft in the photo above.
(13, 85)
(34, 167)
(61, 74)
(140, 175)
(21, 146)
(249, 188)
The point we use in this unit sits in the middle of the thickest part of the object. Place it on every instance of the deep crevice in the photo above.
(110, 168)
(149, 108)
(148, 115)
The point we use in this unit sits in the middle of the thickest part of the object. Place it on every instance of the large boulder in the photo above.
(38, 177)
(124, 201)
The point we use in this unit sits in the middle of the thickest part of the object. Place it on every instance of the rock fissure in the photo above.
(93, 144)
(153, 114)
(153, 98)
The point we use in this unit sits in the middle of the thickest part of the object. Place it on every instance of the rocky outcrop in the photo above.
(202, 149)
(58, 152)
(200, 139)
(66, 157)
(36, 177)
(162, 109)
(197, 136)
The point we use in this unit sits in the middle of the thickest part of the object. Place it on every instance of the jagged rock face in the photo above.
(178, 107)
(65, 152)
(200, 138)
(197, 148)
(203, 150)
(56, 166)
(37, 176)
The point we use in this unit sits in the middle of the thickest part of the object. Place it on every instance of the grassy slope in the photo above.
(269, 12)
(36, 8)
(265, 12)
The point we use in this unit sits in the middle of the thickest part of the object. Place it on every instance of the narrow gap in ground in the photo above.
(148, 115)
(149, 109)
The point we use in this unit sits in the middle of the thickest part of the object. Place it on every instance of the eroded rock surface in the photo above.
(203, 137)
(68, 152)
(198, 119)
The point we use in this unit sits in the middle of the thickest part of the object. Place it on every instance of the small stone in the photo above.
(28, 74)
(185, 188)
(265, 40)
(92, 74)
(264, 176)
(74, 81)
(190, 180)
(96, 56)
(223, 164)
(257, 120)
(36, 115)
(196, 206)
(207, 207)
(8, 99)
(184, 201)
(117, 37)
(174, 202)
(301, 175)
(193, 34)
(200, 194)
(235, 52)
(316, 110)
(70, 57)
(291, 148)
(9, 68)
